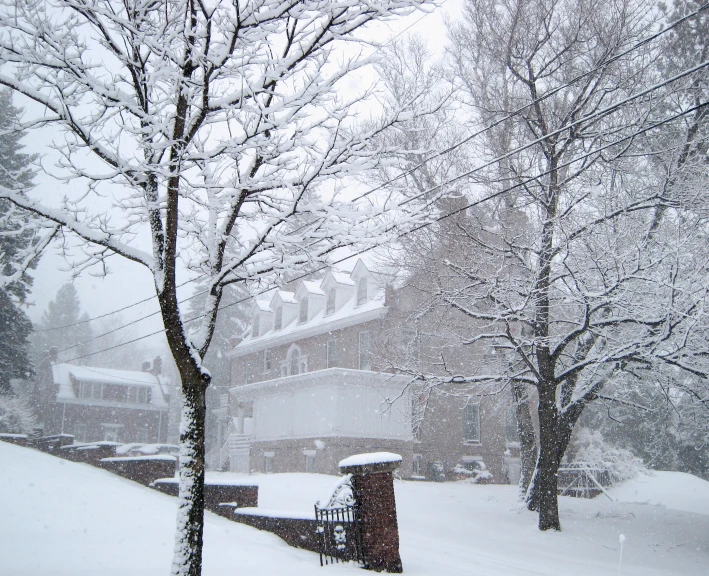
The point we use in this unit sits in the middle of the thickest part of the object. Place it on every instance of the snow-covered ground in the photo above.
(60, 517)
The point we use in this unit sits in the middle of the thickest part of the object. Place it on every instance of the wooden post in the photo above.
(373, 490)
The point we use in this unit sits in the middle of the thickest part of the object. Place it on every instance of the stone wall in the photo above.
(219, 498)
(19, 439)
(297, 532)
(142, 469)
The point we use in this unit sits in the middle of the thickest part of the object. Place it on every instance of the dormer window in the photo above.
(278, 322)
(361, 291)
(330, 309)
(254, 327)
(303, 310)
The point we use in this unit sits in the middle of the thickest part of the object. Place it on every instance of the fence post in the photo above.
(373, 491)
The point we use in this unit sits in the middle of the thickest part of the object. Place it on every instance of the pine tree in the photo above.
(63, 326)
(15, 326)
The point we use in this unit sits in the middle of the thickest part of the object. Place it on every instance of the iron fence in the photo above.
(339, 527)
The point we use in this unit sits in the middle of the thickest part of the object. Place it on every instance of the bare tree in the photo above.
(572, 294)
(201, 128)
(573, 265)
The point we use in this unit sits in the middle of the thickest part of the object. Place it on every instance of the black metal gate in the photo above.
(339, 527)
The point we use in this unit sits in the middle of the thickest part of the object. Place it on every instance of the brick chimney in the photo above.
(157, 366)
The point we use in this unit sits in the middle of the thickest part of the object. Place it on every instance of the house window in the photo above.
(254, 327)
(416, 417)
(361, 291)
(142, 434)
(278, 323)
(138, 394)
(365, 350)
(471, 423)
(249, 376)
(268, 462)
(418, 465)
(81, 432)
(332, 353)
(267, 360)
(309, 460)
(93, 390)
(511, 435)
(111, 432)
(247, 409)
(294, 362)
(331, 295)
(303, 310)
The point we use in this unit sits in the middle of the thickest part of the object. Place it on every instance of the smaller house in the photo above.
(95, 403)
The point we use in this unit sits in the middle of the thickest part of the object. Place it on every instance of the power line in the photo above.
(439, 219)
(378, 48)
(143, 301)
(438, 154)
(541, 98)
(594, 116)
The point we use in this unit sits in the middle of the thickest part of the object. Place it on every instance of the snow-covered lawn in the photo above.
(59, 517)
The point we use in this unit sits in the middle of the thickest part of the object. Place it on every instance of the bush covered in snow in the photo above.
(16, 416)
(591, 449)
(474, 471)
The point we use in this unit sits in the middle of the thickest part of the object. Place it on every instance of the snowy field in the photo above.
(60, 517)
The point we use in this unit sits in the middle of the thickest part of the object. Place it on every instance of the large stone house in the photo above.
(311, 385)
(95, 404)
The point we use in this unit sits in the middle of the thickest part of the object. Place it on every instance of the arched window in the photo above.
(361, 291)
(303, 310)
(294, 362)
(331, 294)
(278, 322)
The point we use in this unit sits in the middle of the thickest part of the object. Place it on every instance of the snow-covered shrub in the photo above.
(474, 471)
(16, 416)
(592, 450)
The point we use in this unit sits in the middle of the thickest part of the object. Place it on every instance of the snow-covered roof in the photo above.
(285, 297)
(262, 305)
(312, 287)
(64, 374)
(359, 270)
(340, 278)
(349, 314)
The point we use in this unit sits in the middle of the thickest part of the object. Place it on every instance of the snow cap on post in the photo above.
(370, 463)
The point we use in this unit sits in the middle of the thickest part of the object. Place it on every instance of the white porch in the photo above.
(327, 403)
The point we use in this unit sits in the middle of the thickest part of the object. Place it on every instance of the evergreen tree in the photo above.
(15, 326)
(63, 326)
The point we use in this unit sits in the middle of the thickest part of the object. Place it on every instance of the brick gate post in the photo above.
(373, 491)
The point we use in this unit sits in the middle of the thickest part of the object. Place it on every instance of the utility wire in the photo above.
(439, 219)
(438, 154)
(377, 48)
(594, 116)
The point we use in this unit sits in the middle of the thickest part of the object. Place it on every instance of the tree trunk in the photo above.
(187, 556)
(527, 440)
(543, 493)
(187, 559)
